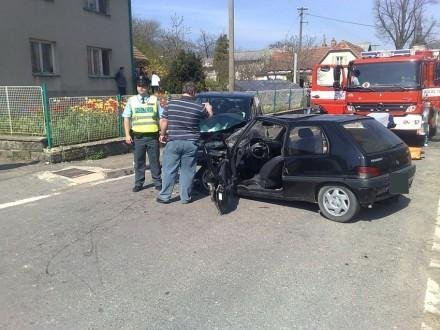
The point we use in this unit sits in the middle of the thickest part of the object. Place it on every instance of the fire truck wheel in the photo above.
(433, 127)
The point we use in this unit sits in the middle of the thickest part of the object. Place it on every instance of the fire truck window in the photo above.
(325, 76)
(437, 74)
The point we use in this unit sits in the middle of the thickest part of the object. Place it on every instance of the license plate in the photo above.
(399, 183)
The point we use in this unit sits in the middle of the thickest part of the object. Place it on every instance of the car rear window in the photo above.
(371, 135)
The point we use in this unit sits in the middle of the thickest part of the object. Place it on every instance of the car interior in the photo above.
(260, 156)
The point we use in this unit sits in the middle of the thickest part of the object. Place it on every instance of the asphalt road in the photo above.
(100, 256)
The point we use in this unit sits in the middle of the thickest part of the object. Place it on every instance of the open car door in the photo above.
(220, 180)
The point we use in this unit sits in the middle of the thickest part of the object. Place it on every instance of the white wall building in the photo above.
(74, 46)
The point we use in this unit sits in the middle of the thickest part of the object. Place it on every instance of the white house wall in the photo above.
(72, 28)
(331, 57)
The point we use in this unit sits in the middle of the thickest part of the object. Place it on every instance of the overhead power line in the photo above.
(339, 20)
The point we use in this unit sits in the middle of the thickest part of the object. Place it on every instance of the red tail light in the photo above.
(365, 172)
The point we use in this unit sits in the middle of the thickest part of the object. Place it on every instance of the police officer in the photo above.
(143, 112)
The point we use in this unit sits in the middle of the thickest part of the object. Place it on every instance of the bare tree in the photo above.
(403, 21)
(249, 70)
(205, 44)
(291, 45)
(175, 39)
(146, 32)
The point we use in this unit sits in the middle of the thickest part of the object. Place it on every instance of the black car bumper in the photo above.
(381, 187)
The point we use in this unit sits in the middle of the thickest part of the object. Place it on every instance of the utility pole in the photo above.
(301, 22)
(231, 47)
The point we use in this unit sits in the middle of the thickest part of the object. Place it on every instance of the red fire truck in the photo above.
(403, 83)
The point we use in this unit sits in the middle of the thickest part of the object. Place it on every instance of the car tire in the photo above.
(338, 203)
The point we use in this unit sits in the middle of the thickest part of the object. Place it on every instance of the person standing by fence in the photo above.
(121, 81)
(179, 128)
(143, 111)
(155, 80)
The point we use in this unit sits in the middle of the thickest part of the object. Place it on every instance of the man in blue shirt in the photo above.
(179, 128)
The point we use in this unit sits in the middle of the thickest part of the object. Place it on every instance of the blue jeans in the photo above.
(178, 154)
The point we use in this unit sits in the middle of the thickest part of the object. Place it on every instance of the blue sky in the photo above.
(261, 22)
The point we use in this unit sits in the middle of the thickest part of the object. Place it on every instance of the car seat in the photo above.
(269, 176)
(308, 143)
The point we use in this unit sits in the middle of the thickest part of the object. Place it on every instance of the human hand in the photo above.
(128, 139)
(208, 108)
(163, 139)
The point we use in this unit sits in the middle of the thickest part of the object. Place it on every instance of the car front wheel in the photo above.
(203, 176)
(338, 203)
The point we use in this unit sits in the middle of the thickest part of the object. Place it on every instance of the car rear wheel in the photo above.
(338, 203)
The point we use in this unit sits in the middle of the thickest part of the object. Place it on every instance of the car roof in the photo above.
(294, 118)
(227, 94)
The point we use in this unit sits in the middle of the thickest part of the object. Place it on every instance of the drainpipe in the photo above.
(131, 43)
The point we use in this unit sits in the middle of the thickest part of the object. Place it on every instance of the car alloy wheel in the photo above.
(204, 176)
(338, 203)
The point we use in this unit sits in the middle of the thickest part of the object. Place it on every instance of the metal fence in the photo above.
(281, 100)
(73, 120)
(21, 111)
(76, 120)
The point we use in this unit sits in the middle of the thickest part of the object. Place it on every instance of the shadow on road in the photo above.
(383, 208)
(11, 166)
(379, 211)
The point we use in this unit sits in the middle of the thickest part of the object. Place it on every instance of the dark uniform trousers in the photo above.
(146, 143)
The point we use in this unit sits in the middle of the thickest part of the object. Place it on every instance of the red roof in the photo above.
(282, 59)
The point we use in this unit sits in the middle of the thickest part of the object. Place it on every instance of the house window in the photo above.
(99, 61)
(98, 6)
(340, 60)
(43, 56)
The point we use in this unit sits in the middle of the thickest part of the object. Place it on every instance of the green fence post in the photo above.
(46, 110)
(290, 98)
(274, 100)
(119, 99)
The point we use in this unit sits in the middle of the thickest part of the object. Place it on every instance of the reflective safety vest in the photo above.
(145, 116)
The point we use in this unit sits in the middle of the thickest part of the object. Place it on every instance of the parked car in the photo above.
(341, 162)
(232, 110)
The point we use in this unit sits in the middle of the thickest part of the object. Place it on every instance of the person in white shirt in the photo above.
(155, 80)
(355, 78)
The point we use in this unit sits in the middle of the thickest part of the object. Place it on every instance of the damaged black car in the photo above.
(339, 162)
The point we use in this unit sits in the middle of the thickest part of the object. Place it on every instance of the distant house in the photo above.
(75, 47)
(279, 66)
(278, 63)
(208, 66)
(139, 57)
(337, 53)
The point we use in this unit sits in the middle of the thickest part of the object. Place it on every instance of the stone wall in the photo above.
(35, 148)
(22, 147)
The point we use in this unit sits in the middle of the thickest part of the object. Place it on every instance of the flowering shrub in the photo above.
(97, 105)
(79, 119)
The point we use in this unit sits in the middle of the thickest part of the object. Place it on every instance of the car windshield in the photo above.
(384, 75)
(372, 136)
(228, 112)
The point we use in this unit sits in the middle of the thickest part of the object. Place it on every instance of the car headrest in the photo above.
(305, 133)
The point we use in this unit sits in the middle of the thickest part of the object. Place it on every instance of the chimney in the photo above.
(333, 42)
